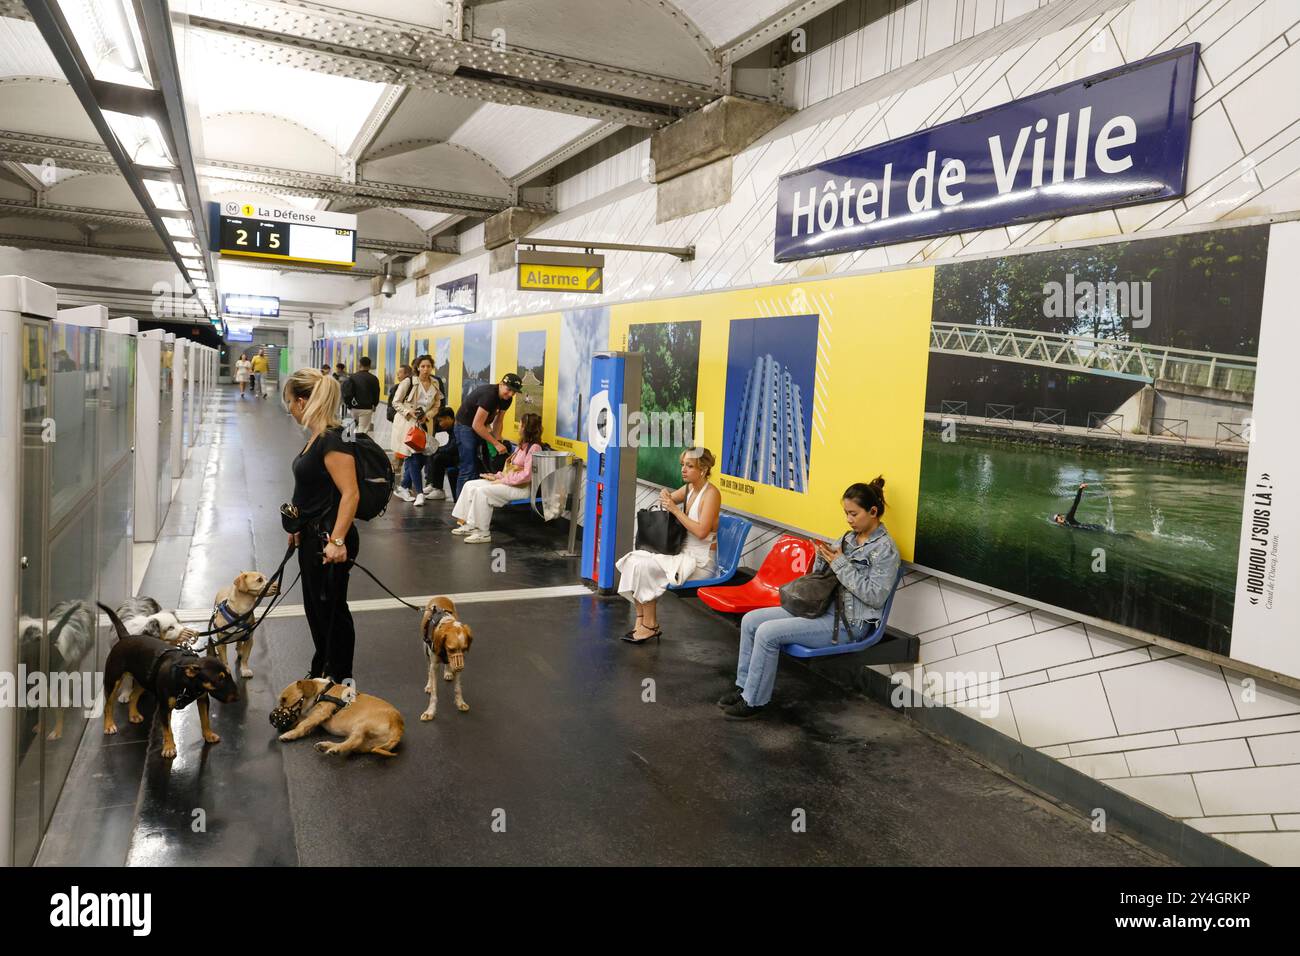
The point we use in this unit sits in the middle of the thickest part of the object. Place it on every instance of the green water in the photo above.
(1170, 533)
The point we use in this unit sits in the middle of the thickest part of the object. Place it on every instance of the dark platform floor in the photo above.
(559, 741)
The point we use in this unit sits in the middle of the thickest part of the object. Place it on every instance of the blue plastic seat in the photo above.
(868, 640)
(732, 532)
(525, 502)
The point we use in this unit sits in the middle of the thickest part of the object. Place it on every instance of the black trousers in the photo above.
(442, 462)
(325, 602)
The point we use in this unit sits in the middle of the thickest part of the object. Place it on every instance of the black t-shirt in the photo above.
(314, 491)
(485, 396)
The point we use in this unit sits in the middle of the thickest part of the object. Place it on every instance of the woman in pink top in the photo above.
(477, 498)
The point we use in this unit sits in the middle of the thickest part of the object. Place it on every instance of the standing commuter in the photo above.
(481, 418)
(361, 395)
(415, 402)
(326, 495)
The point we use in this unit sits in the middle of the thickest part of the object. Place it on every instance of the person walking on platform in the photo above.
(325, 495)
(481, 418)
(646, 575)
(259, 373)
(243, 369)
(361, 395)
(866, 564)
(415, 401)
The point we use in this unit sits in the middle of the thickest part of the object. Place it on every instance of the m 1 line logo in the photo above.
(76, 909)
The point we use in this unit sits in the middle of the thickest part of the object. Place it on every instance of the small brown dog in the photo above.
(369, 724)
(446, 640)
(231, 603)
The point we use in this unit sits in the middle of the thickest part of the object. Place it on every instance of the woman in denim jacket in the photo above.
(866, 565)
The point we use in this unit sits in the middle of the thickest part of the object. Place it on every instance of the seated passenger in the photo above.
(475, 501)
(445, 458)
(646, 575)
(866, 565)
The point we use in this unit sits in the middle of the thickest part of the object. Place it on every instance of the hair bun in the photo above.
(878, 481)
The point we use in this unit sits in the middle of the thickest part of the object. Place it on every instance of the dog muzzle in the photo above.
(456, 661)
(283, 719)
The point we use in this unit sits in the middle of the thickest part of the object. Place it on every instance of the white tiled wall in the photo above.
(1181, 735)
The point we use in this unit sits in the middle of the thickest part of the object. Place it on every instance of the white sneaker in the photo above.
(428, 490)
(403, 494)
(463, 529)
(419, 501)
(478, 537)
(436, 495)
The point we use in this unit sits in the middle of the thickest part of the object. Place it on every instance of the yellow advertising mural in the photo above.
(530, 347)
(800, 390)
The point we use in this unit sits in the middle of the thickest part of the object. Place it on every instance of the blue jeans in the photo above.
(467, 445)
(413, 473)
(762, 635)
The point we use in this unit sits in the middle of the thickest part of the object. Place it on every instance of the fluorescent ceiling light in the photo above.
(188, 248)
(178, 228)
(109, 38)
(164, 194)
(141, 138)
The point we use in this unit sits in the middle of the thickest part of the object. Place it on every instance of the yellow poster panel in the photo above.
(425, 341)
(859, 344)
(532, 344)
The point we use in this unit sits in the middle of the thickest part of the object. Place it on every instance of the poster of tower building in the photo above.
(770, 367)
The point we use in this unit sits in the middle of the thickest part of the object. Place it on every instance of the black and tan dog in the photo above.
(231, 607)
(446, 641)
(175, 676)
(368, 724)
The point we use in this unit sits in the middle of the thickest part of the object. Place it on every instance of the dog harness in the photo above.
(324, 697)
(187, 695)
(439, 615)
(231, 619)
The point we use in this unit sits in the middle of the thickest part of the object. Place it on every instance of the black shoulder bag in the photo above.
(811, 595)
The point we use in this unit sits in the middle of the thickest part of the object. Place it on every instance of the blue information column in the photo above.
(609, 510)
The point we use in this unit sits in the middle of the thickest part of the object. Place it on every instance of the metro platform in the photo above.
(558, 750)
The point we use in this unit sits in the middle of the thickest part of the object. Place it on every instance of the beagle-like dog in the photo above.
(232, 603)
(446, 641)
(369, 724)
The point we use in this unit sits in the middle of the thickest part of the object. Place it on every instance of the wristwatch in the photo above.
(337, 542)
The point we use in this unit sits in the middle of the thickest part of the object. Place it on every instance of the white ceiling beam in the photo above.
(773, 28)
(333, 41)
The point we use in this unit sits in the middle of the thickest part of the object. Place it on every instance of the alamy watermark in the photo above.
(53, 689)
(1074, 299)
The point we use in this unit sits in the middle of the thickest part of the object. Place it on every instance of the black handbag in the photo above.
(659, 531)
(811, 595)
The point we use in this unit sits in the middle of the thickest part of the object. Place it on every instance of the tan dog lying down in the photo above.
(446, 640)
(233, 602)
(369, 724)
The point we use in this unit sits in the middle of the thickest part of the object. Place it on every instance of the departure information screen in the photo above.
(249, 229)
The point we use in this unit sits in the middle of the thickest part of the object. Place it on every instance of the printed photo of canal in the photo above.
(1087, 423)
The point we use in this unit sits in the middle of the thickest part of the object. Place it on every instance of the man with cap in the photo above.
(482, 416)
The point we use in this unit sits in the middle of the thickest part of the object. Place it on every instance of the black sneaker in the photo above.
(741, 711)
(731, 697)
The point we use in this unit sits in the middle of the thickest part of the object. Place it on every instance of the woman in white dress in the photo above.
(243, 368)
(646, 575)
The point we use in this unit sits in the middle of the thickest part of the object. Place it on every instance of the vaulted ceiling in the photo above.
(417, 115)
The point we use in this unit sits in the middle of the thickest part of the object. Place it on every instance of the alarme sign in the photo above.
(1115, 139)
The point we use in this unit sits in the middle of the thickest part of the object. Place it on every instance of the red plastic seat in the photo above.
(789, 558)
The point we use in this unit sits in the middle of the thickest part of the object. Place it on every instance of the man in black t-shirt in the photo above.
(481, 417)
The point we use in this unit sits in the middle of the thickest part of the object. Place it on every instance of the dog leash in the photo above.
(367, 573)
(239, 626)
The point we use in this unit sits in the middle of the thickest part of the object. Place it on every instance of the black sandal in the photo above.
(641, 640)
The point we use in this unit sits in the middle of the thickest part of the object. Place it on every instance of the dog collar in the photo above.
(186, 696)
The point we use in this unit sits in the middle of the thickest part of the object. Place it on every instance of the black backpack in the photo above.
(374, 476)
(391, 412)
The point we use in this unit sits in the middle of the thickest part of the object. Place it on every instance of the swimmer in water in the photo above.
(1068, 519)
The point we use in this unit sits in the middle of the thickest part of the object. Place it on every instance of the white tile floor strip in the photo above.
(201, 615)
